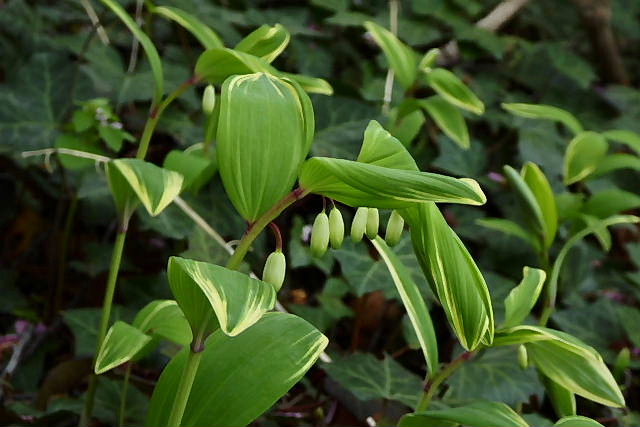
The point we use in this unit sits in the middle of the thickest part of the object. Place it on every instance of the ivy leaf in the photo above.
(370, 378)
(33, 101)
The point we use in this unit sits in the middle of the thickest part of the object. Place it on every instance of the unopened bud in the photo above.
(523, 358)
(209, 100)
(336, 228)
(373, 223)
(359, 224)
(393, 234)
(320, 235)
(274, 270)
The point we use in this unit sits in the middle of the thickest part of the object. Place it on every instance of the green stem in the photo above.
(184, 388)
(156, 112)
(432, 386)
(116, 257)
(123, 397)
(62, 260)
(256, 228)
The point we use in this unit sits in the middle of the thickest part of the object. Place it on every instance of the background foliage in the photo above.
(58, 223)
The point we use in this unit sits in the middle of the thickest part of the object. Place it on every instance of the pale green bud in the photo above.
(373, 223)
(523, 357)
(393, 234)
(320, 235)
(336, 228)
(209, 100)
(274, 269)
(359, 224)
(621, 364)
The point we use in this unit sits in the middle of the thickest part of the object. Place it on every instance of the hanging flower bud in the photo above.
(336, 228)
(320, 235)
(621, 364)
(373, 223)
(209, 100)
(359, 224)
(523, 358)
(393, 234)
(265, 130)
(274, 270)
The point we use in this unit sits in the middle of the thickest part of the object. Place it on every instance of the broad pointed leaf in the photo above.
(478, 414)
(203, 289)
(119, 346)
(511, 228)
(523, 297)
(627, 137)
(201, 31)
(577, 421)
(453, 90)
(584, 153)
(241, 377)
(216, 64)
(617, 161)
(363, 184)
(567, 361)
(605, 203)
(529, 199)
(380, 148)
(195, 168)
(542, 192)
(154, 187)
(264, 133)
(165, 319)
(414, 304)
(448, 119)
(545, 112)
(265, 42)
(461, 289)
(562, 400)
(402, 59)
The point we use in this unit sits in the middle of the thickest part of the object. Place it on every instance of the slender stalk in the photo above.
(116, 257)
(156, 112)
(184, 388)
(388, 84)
(432, 386)
(191, 213)
(123, 396)
(62, 260)
(256, 228)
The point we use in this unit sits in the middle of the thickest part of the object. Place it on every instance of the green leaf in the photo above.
(545, 112)
(259, 161)
(414, 304)
(562, 400)
(456, 278)
(202, 290)
(34, 101)
(577, 421)
(402, 59)
(429, 60)
(523, 297)
(584, 153)
(196, 169)
(478, 414)
(120, 345)
(627, 137)
(448, 118)
(364, 184)
(201, 31)
(528, 198)
(114, 137)
(147, 45)
(542, 192)
(310, 84)
(165, 319)
(567, 361)
(552, 285)
(511, 228)
(83, 120)
(154, 187)
(494, 375)
(265, 42)
(453, 90)
(74, 142)
(614, 162)
(370, 378)
(241, 377)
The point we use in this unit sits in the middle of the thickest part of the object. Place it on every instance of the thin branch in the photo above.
(76, 153)
(95, 21)
(388, 84)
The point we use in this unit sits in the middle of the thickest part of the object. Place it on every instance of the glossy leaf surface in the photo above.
(201, 31)
(545, 112)
(479, 414)
(453, 90)
(165, 319)
(583, 155)
(523, 297)
(402, 59)
(265, 42)
(448, 119)
(120, 345)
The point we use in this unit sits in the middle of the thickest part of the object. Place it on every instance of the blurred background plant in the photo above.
(72, 77)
